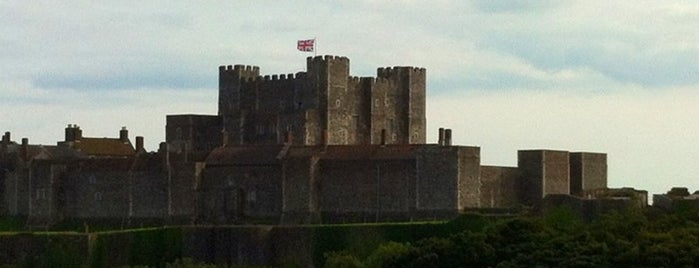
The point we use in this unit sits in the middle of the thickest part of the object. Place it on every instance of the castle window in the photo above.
(252, 196)
(92, 179)
(98, 196)
(337, 103)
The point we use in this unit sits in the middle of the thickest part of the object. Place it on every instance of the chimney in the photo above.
(6, 138)
(78, 132)
(139, 143)
(447, 137)
(383, 136)
(70, 133)
(441, 136)
(123, 134)
(24, 150)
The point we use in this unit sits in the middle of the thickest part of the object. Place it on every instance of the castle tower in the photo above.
(398, 105)
(230, 100)
(337, 103)
(323, 106)
(588, 171)
(544, 172)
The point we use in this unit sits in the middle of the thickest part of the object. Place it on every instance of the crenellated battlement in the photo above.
(388, 72)
(240, 71)
(326, 58)
(274, 78)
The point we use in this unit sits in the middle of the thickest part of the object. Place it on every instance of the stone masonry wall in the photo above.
(543, 172)
(437, 179)
(366, 190)
(469, 164)
(322, 105)
(499, 186)
(300, 190)
(588, 171)
(238, 194)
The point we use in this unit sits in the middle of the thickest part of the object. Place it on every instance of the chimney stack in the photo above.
(70, 133)
(440, 141)
(447, 137)
(6, 138)
(139, 143)
(123, 134)
(78, 132)
(24, 150)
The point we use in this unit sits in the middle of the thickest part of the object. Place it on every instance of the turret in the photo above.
(230, 80)
(328, 79)
(411, 85)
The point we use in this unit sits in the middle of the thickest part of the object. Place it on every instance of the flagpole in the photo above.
(315, 47)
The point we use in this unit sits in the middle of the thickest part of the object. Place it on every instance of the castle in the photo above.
(319, 146)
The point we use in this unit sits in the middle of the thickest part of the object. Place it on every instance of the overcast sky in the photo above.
(620, 77)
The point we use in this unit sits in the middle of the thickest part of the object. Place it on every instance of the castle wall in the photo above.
(97, 194)
(187, 133)
(366, 190)
(17, 192)
(437, 185)
(45, 194)
(469, 164)
(149, 195)
(241, 193)
(300, 190)
(499, 186)
(588, 171)
(182, 182)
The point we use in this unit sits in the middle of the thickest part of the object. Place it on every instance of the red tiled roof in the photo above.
(104, 147)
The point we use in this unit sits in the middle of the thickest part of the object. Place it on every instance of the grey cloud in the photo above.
(124, 81)
(513, 5)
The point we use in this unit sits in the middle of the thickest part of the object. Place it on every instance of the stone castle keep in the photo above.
(319, 146)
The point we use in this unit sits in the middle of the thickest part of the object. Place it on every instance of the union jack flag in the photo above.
(305, 45)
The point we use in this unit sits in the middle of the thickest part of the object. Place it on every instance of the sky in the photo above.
(618, 77)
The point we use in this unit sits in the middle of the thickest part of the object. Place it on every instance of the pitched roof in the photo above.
(104, 147)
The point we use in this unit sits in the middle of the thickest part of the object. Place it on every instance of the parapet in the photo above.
(388, 72)
(327, 58)
(240, 71)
